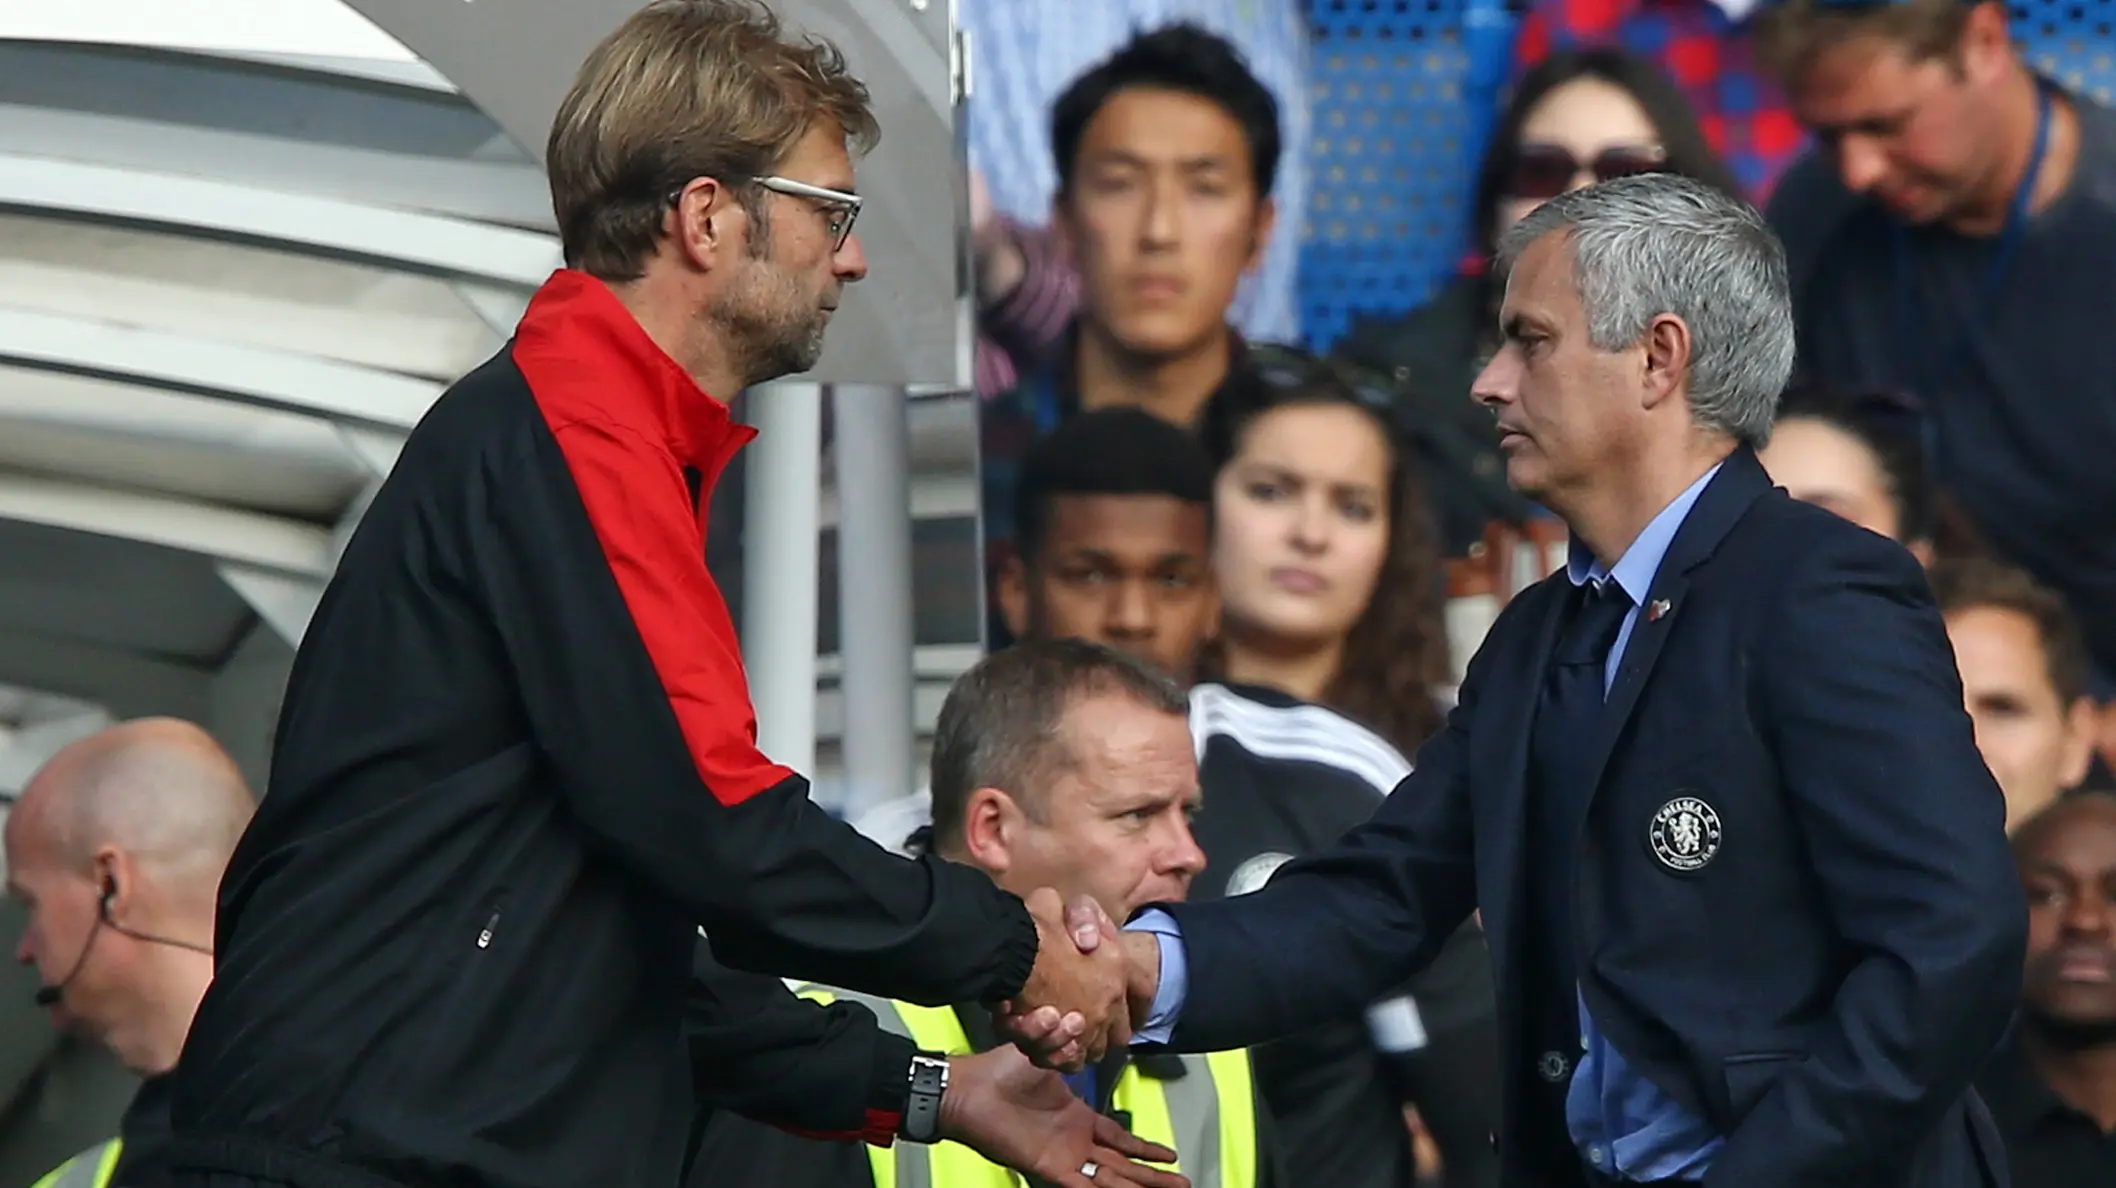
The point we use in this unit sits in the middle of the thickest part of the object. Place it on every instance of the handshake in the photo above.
(1092, 986)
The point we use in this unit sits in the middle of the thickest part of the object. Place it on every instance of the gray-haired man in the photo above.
(1751, 909)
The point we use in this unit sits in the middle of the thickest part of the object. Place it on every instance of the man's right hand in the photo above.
(1075, 1001)
(1115, 972)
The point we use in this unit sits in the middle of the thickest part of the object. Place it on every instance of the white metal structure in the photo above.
(245, 245)
(232, 277)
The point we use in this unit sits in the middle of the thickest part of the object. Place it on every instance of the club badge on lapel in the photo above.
(1686, 833)
(1658, 609)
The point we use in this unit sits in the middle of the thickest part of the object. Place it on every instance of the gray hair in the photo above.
(1663, 244)
(1001, 725)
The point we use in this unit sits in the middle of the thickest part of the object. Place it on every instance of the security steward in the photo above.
(1056, 763)
(115, 849)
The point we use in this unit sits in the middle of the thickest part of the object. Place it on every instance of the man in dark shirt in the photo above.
(114, 850)
(2052, 1087)
(1952, 238)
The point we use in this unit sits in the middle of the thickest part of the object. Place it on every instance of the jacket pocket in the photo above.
(1750, 1075)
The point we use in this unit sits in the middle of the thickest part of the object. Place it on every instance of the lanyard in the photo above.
(1909, 317)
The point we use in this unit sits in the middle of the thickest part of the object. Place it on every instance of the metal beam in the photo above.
(500, 309)
(267, 542)
(285, 603)
(331, 227)
(340, 392)
(492, 191)
(373, 448)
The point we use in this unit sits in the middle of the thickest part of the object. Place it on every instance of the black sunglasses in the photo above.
(1543, 171)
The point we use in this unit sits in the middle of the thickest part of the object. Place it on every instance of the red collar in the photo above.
(585, 340)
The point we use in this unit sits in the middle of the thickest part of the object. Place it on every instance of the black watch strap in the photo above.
(929, 1083)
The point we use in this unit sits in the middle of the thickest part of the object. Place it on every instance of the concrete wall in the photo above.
(242, 702)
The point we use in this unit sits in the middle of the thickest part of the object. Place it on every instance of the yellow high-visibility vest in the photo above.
(90, 1169)
(1208, 1116)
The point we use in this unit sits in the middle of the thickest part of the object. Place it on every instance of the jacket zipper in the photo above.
(485, 933)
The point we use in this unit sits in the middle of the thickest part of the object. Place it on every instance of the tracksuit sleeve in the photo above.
(821, 1071)
(590, 558)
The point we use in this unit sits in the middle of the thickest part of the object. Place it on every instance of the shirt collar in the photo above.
(575, 315)
(1634, 571)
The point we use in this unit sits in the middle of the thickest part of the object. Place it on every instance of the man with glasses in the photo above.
(1954, 241)
(516, 773)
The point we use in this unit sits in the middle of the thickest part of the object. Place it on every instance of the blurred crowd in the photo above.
(1315, 541)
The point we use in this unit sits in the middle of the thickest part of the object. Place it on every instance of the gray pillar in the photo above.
(780, 529)
(874, 591)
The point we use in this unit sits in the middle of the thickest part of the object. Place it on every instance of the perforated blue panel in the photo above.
(2073, 42)
(1404, 96)
(1390, 159)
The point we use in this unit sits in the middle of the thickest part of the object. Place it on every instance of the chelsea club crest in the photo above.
(1685, 834)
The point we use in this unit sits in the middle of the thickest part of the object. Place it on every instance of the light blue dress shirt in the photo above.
(1621, 1121)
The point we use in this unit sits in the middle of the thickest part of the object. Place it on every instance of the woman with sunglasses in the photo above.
(1327, 674)
(1582, 116)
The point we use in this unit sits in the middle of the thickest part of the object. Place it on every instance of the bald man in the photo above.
(115, 851)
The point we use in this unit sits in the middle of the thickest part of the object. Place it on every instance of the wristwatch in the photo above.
(929, 1082)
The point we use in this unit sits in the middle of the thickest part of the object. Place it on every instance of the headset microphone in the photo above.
(51, 996)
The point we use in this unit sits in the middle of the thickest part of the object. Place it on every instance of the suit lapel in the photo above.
(1740, 481)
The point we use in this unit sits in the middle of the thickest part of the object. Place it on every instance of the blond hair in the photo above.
(1790, 34)
(686, 89)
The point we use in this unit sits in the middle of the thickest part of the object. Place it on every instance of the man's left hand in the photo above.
(1002, 1106)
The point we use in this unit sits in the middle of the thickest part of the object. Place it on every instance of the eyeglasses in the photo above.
(1544, 171)
(839, 209)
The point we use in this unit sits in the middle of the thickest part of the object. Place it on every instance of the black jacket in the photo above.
(515, 773)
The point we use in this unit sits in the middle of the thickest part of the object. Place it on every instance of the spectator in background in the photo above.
(2024, 680)
(1115, 520)
(1954, 241)
(1166, 154)
(115, 850)
(1329, 665)
(1705, 46)
(1578, 117)
(2052, 1085)
(1025, 53)
(1055, 763)
(1115, 515)
(1859, 454)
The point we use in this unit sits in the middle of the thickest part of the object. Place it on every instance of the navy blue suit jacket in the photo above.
(1824, 988)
